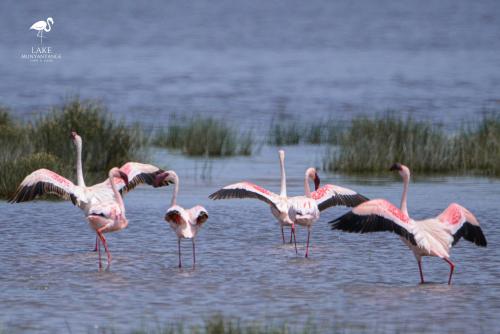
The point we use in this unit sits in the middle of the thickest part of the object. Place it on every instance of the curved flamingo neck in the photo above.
(176, 190)
(47, 29)
(404, 207)
(79, 171)
(118, 196)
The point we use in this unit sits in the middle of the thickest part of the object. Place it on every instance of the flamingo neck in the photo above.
(404, 208)
(307, 188)
(176, 191)
(118, 196)
(79, 171)
(48, 27)
(283, 178)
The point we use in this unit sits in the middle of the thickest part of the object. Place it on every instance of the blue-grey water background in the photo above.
(250, 62)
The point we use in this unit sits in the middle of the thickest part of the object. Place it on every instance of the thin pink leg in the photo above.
(452, 268)
(103, 239)
(99, 251)
(291, 234)
(294, 239)
(282, 234)
(95, 248)
(179, 244)
(194, 254)
(420, 270)
(308, 236)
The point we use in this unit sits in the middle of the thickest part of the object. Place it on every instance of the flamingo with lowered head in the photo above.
(302, 210)
(109, 216)
(429, 237)
(185, 222)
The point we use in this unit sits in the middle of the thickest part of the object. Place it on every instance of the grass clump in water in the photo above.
(372, 145)
(45, 143)
(204, 136)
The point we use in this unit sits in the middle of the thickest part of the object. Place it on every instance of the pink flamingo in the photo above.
(185, 222)
(109, 216)
(303, 210)
(429, 237)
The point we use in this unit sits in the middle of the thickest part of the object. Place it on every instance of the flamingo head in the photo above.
(51, 20)
(313, 175)
(116, 172)
(402, 169)
(165, 178)
(75, 138)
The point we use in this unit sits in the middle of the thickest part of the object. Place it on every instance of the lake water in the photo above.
(50, 281)
(250, 62)
(437, 60)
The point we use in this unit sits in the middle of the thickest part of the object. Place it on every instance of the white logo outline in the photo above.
(42, 26)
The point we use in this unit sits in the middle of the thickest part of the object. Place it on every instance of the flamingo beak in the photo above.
(159, 179)
(124, 177)
(396, 166)
(73, 135)
(317, 181)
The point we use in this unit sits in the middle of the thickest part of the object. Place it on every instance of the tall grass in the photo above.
(45, 143)
(204, 136)
(373, 144)
(288, 132)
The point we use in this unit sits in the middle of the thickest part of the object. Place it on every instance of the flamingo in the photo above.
(109, 216)
(429, 237)
(303, 210)
(42, 26)
(44, 181)
(185, 222)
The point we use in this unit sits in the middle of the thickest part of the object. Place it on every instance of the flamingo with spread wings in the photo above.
(429, 237)
(301, 210)
(185, 222)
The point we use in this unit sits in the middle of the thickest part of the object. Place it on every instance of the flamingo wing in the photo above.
(42, 182)
(460, 222)
(39, 25)
(177, 215)
(374, 216)
(330, 195)
(246, 190)
(198, 214)
(137, 173)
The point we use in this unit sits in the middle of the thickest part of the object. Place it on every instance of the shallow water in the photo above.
(321, 59)
(50, 282)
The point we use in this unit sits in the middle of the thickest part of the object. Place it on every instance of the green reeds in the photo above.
(204, 136)
(45, 143)
(373, 144)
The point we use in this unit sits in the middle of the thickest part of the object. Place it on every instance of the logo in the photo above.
(42, 26)
(42, 53)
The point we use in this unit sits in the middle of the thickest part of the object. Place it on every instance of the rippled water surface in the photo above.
(320, 59)
(50, 282)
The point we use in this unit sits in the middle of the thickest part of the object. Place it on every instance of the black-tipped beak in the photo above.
(159, 179)
(317, 181)
(396, 166)
(124, 177)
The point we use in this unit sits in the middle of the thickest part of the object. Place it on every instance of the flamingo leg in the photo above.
(294, 239)
(452, 268)
(105, 244)
(95, 248)
(179, 246)
(97, 245)
(420, 270)
(292, 232)
(282, 234)
(194, 253)
(308, 236)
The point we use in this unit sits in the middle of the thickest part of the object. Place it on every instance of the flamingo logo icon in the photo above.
(42, 26)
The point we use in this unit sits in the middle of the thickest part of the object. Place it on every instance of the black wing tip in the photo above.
(472, 233)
